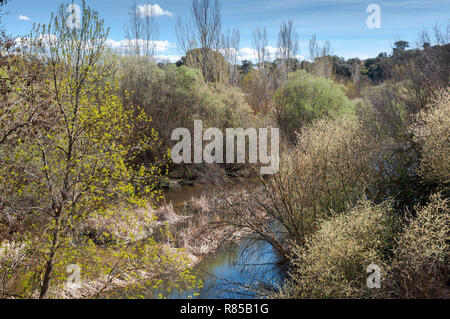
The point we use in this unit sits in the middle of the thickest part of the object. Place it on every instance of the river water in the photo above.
(235, 273)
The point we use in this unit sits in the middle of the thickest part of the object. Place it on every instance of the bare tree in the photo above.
(260, 86)
(424, 39)
(426, 75)
(325, 66)
(185, 39)
(142, 30)
(203, 32)
(440, 36)
(207, 22)
(288, 47)
(356, 74)
(260, 42)
(320, 57)
(314, 49)
(230, 48)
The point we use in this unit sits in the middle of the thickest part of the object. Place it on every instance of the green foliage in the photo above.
(180, 93)
(176, 96)
(305, 98)
(63, 174)
(401, 45)
(85, 136)
(225, 107)
(211, 63)
(246, 66)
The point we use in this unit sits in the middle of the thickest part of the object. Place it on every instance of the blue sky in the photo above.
(342, 22)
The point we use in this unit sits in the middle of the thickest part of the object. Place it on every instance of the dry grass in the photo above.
(128, 224)
(212, 226)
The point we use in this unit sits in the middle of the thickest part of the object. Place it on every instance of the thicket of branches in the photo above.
(85, 138)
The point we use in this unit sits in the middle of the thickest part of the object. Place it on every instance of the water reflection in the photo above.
(238, 273)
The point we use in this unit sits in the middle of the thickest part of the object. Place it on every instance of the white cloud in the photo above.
(251, 54)
(160, 46)
(45, 39)
(24, 18)
(170, 57)
(153, 10)
(272, 51)
(247, 54)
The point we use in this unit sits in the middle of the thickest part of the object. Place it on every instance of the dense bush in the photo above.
(259, 87)
(413, 255)
(305, 98)
(334, 261)
(414, 261)
(432, 133)
(84, 140)
(415, 265)
(328, 168)
(211, 63)
(414, 147)
(168, 96)
(421, 264)
(385, 115)
(176, 96)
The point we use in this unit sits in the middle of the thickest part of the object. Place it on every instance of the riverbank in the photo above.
(189, 222)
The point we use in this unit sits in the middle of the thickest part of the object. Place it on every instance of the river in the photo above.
(235, 273)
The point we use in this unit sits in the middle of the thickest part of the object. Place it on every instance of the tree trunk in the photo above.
(47, 275)
(49, 265)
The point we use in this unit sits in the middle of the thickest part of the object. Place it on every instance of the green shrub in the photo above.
(176, 96)
(223, 106)
(334, 261)
(305, 98)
